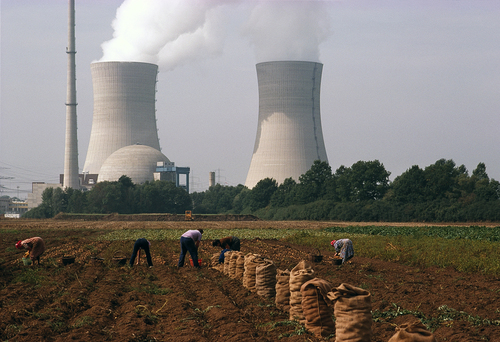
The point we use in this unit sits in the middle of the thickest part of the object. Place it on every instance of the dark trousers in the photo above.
(235, 244)
(187, 245)
(144, 244)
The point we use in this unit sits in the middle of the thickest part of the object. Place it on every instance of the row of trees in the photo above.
(442, 191)
(121, 197)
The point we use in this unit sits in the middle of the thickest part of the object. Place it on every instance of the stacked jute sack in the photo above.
(214, 262)
(300, 274)
(233, 264)
(313, 301)
(352, 309)
(259, 275)
(412, 332)
(283, 290)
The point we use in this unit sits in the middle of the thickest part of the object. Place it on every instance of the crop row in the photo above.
(466, 232)
(175, 234)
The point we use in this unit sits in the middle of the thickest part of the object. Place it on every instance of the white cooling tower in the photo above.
(289, 135)
(124, 110)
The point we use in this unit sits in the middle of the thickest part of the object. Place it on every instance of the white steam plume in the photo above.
(173, 32)
(166, 32)
(288, 30)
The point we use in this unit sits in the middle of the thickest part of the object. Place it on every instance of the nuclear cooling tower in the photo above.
(124, 109)
(289, 135)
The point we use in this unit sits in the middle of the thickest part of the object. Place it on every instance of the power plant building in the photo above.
(124, 137)
(289, 134)
(135, 161)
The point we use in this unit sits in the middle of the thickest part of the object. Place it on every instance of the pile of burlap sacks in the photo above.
(312, 301)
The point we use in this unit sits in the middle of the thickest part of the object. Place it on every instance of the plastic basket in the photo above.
(336, 261)
(68, 259)
(192, 263)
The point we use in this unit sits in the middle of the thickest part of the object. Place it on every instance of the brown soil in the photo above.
(101, 300)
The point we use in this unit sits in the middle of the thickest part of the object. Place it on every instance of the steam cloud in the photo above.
(288, 30)
(173, 32)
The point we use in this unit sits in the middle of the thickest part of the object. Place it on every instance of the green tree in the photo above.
(284, 195)
(77, 201)
(261, 194)
(370, 180)
(362, 181)
(442, 180)
(344, 190)
(162, 197)
(240, 201)
(219, 199)
(484, 189)
(409, 187)
(312, 184)
(197, 200)
(95, 198)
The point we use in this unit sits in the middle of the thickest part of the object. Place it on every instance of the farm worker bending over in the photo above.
(343, 248)
(190, 241)
(139, 244)
(229, 242)
(35, 247)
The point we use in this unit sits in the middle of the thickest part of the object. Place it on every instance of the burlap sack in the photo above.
(214, 259)
(214, 262)
(251, 263)
(315, 302)
(283, 290)
(240, 266)
(300, 274)
(353, 318)
(232, 264)
(227, 260)
(412, 332)
(265, 279)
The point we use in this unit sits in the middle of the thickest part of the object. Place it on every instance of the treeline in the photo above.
(122, 196)
(441, 192)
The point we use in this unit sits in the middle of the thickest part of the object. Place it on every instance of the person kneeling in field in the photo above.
(344, 249)
(229, 242)
(139, 244)
(35, 247)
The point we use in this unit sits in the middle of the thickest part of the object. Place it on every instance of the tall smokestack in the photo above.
(124, 109)
(289, 135)
(71, 179)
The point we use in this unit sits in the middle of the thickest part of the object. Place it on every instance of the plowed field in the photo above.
(100, 300)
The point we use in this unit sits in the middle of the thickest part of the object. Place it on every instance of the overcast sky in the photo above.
(404, 82)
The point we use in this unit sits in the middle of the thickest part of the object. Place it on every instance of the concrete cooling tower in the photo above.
(124, 110)
(289, 135)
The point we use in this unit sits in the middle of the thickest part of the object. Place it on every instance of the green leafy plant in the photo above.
(31, 276)
(83, 321)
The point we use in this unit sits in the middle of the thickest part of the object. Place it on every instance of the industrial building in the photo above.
(167, 171)
(289, 134)
(124, 137)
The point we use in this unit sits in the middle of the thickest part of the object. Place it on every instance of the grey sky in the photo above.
(404, 82)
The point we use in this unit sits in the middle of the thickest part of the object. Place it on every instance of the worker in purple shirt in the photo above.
(190, 241)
